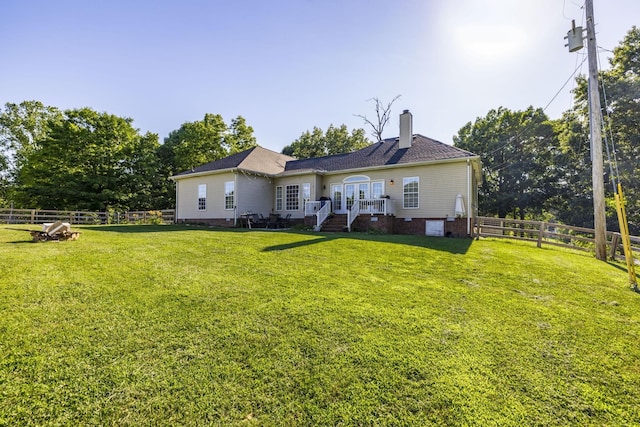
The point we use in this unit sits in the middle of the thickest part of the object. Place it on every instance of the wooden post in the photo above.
(595, 127)
(540, 234)
(33, 216)
(614, 245)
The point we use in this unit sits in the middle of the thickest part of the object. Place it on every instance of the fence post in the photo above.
(540, 233)
(614, 244)
(33, 216)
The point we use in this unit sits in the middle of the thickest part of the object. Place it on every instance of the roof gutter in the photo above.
(399, 165)
(220, 171)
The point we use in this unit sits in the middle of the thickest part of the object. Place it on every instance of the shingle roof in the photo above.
(383, 153)
(256, 159)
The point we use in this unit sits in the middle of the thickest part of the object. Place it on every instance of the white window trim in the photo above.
(404, 183)
(306, 192)
(202, 196)
(226, 195)
(281, 198)
(286, 197)
(381, 182)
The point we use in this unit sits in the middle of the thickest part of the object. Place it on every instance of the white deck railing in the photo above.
(371, 207)
(322, 214)
(311, 208)
(319, 209)
(352, 214)
(376, 206)
(322, 209)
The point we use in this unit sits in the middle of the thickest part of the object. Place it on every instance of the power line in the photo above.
(565, 83)
(518, 134)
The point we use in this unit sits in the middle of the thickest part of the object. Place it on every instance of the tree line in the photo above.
(537, 168)
(81, 159)
(533, 167)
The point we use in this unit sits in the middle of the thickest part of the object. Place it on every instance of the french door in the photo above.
(355, 192)
(336, 198)
(345, 195)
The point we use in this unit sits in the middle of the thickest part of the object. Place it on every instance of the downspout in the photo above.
(469, 197)
(235, 198)
(175, 214)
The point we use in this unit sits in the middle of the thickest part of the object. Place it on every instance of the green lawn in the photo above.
(164, 325)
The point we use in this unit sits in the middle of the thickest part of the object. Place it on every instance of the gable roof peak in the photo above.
(255, 159)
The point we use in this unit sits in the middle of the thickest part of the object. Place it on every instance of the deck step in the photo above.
(335, 224)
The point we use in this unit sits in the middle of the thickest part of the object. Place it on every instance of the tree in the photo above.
(239, 136)
(203, 141)
(317, 143)
(4, 181)
(383, 114)
(22, 126)
(89, 161)
(572, 200)
(621, 105)
(517, 150)
(146, 185)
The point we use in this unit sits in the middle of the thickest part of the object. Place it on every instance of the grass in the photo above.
(164, 325)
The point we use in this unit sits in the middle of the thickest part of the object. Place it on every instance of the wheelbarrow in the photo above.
(54, 231)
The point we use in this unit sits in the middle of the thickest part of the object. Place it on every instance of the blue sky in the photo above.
(287, 66)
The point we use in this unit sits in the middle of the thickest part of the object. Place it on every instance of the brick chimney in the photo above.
(406, 129)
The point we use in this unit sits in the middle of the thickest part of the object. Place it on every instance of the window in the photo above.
(292, 201)
(229, 195)
(202, 197)
(279, 198)
(306, 192)
(356, 178)
(410, 187)
(377, 189)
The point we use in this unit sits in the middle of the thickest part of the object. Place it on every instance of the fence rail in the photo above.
(36, 216)
(551, 234)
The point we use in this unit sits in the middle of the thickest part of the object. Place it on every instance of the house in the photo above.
(408, 185)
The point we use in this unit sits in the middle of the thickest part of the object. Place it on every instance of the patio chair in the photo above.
(286, 221)
(258, 220)
(274, 220)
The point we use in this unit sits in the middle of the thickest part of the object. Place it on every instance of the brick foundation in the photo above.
(222, 222)
(214, 222)
(376, 223)
(392, 225)
(457, 228)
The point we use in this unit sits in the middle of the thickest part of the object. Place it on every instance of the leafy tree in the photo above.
(22, 126)
(239, 136)
(317, 143)
(621, 105)
(146, 185)
(572, 201)
(517, 150)
(4, 181)
(90, 161)
(203, 141)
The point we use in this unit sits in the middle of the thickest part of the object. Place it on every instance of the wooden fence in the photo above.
(37, 216)
(551, 234)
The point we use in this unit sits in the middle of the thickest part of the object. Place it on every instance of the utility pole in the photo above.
(595, 128)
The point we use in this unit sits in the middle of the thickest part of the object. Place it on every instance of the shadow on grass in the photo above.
(146, 228)
(451, 245)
